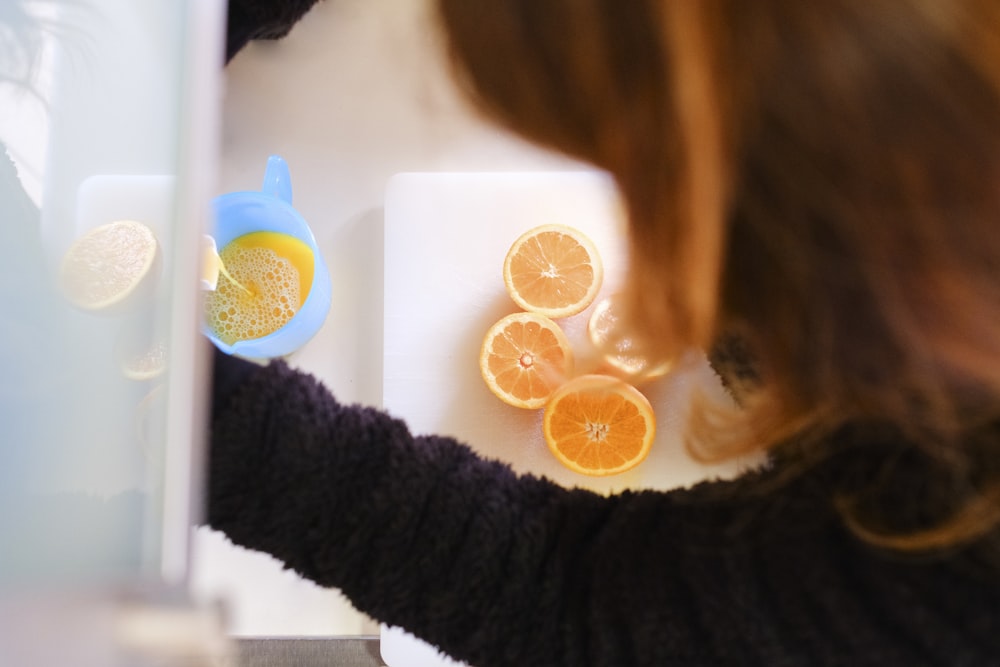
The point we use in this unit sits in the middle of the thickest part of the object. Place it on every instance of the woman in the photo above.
(822, 179)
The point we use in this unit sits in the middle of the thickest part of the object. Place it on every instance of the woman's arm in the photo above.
(503, 569)
(422, 533)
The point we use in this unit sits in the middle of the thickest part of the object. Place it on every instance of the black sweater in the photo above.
(249, 20)
(500, 569)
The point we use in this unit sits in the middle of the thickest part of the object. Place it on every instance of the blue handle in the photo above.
(277, 180)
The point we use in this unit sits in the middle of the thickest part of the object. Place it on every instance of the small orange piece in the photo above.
(622, 357)
(553, 270)
(599, 425)
(524, 357)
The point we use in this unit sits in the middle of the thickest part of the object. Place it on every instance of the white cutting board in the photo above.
(446, 235)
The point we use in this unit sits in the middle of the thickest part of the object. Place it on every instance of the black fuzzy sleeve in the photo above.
(502, 569)
(420, 532)
(248, 20)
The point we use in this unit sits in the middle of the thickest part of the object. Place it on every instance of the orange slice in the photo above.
(599, 425)
(110, 267)
(145, 364)
(141, 349)
(553, 270)
(621, 356)
(524, 357)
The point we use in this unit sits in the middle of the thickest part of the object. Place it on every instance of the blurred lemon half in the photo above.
(110, 267)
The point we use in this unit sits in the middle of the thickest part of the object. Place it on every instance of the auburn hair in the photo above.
(822, 177)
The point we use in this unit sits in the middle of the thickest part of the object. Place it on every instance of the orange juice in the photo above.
(276, 271)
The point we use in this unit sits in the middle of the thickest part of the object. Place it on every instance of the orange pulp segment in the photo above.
(553, 270)
(599, 425)
(523, 358)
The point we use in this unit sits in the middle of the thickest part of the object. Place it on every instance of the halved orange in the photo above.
(553, 270)
(111, 267)
(620, 354)
(599, 425)
(524, 357)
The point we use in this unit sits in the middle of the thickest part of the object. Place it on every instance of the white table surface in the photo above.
(356, 93)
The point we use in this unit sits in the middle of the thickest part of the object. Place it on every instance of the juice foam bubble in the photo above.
(274, 281)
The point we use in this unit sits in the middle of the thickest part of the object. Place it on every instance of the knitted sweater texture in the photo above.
(496, 568)
(248, 20)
